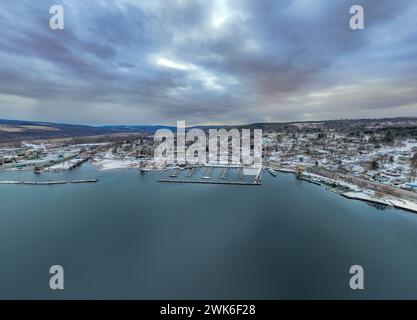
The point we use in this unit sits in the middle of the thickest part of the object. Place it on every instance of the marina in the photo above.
(216, 174)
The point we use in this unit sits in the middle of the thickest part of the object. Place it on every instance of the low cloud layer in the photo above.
(207, 62)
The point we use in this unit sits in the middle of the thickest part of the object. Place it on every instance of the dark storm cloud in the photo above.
(206, 61)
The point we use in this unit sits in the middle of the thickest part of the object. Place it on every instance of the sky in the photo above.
(207, 62)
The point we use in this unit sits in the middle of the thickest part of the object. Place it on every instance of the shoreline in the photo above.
(353, 192)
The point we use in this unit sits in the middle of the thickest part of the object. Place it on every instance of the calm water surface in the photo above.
(129, 236)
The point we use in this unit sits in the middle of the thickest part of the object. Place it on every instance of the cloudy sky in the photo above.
(207, 62)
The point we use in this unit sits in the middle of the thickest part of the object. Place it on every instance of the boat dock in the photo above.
(225, 172)
(208, 173)
(258, 176)
(192, 171)
(175, 174)
(272, 172)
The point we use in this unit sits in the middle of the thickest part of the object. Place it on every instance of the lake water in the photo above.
(129, 236)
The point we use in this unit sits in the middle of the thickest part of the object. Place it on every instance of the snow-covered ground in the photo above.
(109, 161)
(112, 164)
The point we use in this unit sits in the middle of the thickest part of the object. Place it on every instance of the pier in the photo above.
(241, 183)
(272, 172)
(175, 174)
(258, 176)
(241, 174)
(192, 171)
(225, 172)
(208, 173)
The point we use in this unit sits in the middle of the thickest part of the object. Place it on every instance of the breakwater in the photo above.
(43, 183)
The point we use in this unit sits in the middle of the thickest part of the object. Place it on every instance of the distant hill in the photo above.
(336, 124)
(17, 130)
(134, 128)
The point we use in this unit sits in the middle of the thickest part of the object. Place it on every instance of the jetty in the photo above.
(85, 181)
(10, 182)
(47, 183)
(42, 183)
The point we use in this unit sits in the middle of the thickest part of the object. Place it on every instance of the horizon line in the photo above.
(205, 125)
